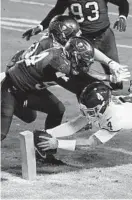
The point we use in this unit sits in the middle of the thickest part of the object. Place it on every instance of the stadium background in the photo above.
(103, 173)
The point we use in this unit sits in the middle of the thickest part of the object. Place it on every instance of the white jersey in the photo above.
(115, 118)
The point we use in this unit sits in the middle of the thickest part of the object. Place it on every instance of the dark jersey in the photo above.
(44, 43)
(92, 15)
(39, 68)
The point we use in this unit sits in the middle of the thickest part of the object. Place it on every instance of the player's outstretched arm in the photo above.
(100, 137)
(69, 145)
(59, 8)
(114, 66)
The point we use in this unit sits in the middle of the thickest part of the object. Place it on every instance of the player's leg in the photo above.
(7, 108)
(25, 114)
(45, 101)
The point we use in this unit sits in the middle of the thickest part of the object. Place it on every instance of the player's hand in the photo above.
(48, 143)
(120, 24)
(122, 76)
(115, 67)
(33, 31)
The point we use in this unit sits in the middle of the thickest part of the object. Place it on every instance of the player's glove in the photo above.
(41, 143)
(115, 67)
(120, 24)
(118, 77)
(33, 31)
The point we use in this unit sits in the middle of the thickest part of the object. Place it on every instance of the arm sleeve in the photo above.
(99, 76)
(104, 135)
(101, 57)
(123, 6)
(58, 9)
(68, 145)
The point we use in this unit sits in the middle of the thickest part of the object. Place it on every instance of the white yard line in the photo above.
(7, 26)
(13, 24)
(124, 46)
(120, 150)
(21, 20)
(13, 29)
(32, 2)
(10, 24)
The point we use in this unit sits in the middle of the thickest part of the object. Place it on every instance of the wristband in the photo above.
(122, 16)
(67, 144)
(41, 27)
(110, 61)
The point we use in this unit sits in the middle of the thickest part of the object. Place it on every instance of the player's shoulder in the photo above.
(52, 53)
(46, 42)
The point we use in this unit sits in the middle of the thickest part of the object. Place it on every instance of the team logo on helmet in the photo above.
(64, 28)
(80, 45)
(99, 96)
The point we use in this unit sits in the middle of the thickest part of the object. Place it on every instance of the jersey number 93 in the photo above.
(77, 11)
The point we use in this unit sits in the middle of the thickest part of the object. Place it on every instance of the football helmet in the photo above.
(62, 27)
(81, 54)
(94, 99)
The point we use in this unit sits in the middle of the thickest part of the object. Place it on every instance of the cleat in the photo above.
(49, 159)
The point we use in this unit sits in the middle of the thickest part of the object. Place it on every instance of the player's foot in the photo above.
(49, 159)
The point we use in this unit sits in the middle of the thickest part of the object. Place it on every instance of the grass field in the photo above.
(104, 173)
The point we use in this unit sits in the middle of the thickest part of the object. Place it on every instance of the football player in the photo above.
(93, 19)
(24, 81)
(61, 29)
(108, 114)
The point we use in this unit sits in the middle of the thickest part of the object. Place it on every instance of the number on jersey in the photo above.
(77, 10)
(110, 125)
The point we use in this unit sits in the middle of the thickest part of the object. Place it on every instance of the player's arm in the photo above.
(100, 137)
(59, 8)
(102, 58)
(118, 72)
(123, 6)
